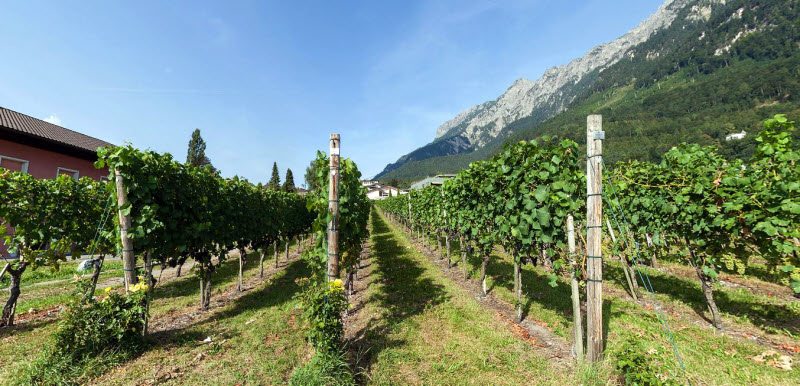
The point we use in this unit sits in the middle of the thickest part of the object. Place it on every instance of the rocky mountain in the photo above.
(542, 98)
(674, 38)
(554, 91)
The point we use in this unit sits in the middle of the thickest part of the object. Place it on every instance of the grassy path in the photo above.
(417, 327)
(699, 344)
(256, 336)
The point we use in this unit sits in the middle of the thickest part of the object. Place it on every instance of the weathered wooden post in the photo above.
(128, 257)
(410, 228)
(446, 229)
(333, 208)
(261, 262)
(241, 270)
(594, 229)
(577, 319)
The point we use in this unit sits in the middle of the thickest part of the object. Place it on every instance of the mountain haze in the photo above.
(683, 45)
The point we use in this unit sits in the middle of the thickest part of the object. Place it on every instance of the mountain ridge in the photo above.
(718, 68)
(542, 98)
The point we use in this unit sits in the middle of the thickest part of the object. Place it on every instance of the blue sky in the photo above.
(268, 81)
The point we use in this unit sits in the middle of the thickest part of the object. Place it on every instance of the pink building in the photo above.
(45, 150)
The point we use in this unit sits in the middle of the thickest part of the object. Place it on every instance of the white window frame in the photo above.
(24, 163)
(75, 174)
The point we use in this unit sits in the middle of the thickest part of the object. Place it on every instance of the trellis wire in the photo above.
(645, 278)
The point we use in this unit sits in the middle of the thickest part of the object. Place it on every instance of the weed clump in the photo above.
(93, 335)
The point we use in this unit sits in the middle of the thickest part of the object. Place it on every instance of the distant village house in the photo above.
(436, 180)
(379, 191)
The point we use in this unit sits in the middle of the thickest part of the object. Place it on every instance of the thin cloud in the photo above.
(146, 90)
(54, 119)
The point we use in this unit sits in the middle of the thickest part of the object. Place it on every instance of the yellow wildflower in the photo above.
(108, 289)
(336, 285)
(140, 286)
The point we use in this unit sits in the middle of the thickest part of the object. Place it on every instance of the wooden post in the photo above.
(148, 279)
(518, 285)
(410, 226)
(261, 263)
(594, 229)
(333, 208)
(463, 246)
(577, 319)
(241, 263)
(128, 258)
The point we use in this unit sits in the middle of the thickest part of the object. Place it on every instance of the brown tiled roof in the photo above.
(31, 126)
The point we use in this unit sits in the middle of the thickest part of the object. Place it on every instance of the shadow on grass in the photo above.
(280, 290)
(764, 315)
(189, 283)
(755, 269)
(25, 326)
(404, 293)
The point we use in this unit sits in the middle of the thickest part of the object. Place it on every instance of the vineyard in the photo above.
(541, 265)
(696, 207)
(157, 213)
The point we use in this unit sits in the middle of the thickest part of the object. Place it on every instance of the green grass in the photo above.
(65, 271)
(46, 287)
(416, 327)
(424, 329)
(698, 343)
(256, 338)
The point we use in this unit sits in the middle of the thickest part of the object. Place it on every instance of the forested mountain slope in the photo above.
(718, 68)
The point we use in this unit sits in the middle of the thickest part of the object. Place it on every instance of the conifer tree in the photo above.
(288, 184)
(196, 154)
(274, 181)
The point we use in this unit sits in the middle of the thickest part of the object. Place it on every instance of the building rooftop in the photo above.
(435, 180)
(18, 124)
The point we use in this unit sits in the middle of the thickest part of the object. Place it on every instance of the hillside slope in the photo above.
(717, 68)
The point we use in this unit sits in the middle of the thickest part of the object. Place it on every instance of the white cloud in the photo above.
(54, 119)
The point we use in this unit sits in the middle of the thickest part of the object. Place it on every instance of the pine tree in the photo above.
(275, 181)
(196, 154)
(288, 184)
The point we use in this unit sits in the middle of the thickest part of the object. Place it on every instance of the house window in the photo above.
(70, 172)
(15, 164)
